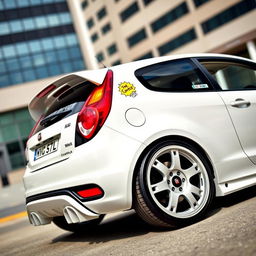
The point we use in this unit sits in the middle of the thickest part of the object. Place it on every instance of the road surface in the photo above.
(229, 229)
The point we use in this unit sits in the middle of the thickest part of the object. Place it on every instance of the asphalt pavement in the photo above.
(229, 229)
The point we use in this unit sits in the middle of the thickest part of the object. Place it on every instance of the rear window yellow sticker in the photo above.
(127, 89)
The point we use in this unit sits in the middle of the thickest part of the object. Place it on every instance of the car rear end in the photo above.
(71, 153)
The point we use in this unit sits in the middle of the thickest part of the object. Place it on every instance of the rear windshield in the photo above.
(67, 103)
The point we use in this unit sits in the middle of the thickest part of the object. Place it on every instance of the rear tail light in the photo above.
(96, 109)
(46, 91)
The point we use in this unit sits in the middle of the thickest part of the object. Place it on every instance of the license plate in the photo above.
(46, 149)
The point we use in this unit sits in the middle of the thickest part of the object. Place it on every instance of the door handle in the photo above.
(240, 103)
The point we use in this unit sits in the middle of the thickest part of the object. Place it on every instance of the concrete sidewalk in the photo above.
(12, 197)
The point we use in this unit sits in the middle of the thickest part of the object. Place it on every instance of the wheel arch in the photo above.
(163, 139)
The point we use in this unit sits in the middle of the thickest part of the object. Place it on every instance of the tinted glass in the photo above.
(177, 42)
(90, 23)
(84, 4)
(200, 2)
(105, 29)
(94, 37)
(112, 49)
(101, 13)
(129, 11)
(173, 76)
(232, 76)
(117, 62)
(37, 40)
(228, 15)
(146, 2)
(137, 37)
(169, 17)
(100, 56)
(145, 56)
(14, 129)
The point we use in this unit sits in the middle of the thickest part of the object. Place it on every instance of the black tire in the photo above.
(82, 227)
(168, 196)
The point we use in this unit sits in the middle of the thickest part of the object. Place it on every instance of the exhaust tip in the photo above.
(74, 216)
(37, 220)
(71, 215)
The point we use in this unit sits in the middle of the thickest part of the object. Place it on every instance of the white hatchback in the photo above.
(163, 136)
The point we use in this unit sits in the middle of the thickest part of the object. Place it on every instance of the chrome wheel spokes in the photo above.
(178, 181)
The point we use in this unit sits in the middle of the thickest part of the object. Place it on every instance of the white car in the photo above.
(163, 136)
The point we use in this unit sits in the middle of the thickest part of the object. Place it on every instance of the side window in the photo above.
(231, 75)
(173, 76)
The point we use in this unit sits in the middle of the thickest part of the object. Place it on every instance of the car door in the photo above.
(237, 82)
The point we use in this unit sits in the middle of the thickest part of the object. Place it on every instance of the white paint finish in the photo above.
(95, 76)
(54, 206)
(92, 163)
(64, 135)
(110, 157)
(243, 119)
(135, 117)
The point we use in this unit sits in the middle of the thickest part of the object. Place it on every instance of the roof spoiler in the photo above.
(50, 95)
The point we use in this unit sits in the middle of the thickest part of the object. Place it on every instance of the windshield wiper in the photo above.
(54, 117)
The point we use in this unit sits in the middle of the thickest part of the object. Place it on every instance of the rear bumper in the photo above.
(41, 212)
(107, 160)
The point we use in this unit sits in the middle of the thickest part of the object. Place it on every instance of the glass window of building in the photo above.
(101, 13)
(14, 130)
(200, 2)
(112, 49)
(94, 37)
(106, 28)
(137, 38)
(146, 2)
(90, 23)
(12, 4)
(129, 11)
(177, 42)
(117, 62)
(228, 15)
(84, 4)
(145, 56)
(100, 56)
(169, 17)
(32, 36)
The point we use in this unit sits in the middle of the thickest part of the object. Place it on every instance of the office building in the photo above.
(127, 30)
(38, 43)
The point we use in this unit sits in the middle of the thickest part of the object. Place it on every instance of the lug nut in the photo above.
(168, 182)
(171, 173)
(178, 173)
(183, 179)
(180, 189)
(173, 188)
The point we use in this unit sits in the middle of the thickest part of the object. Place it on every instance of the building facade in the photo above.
(38, 43)
(127, 30)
